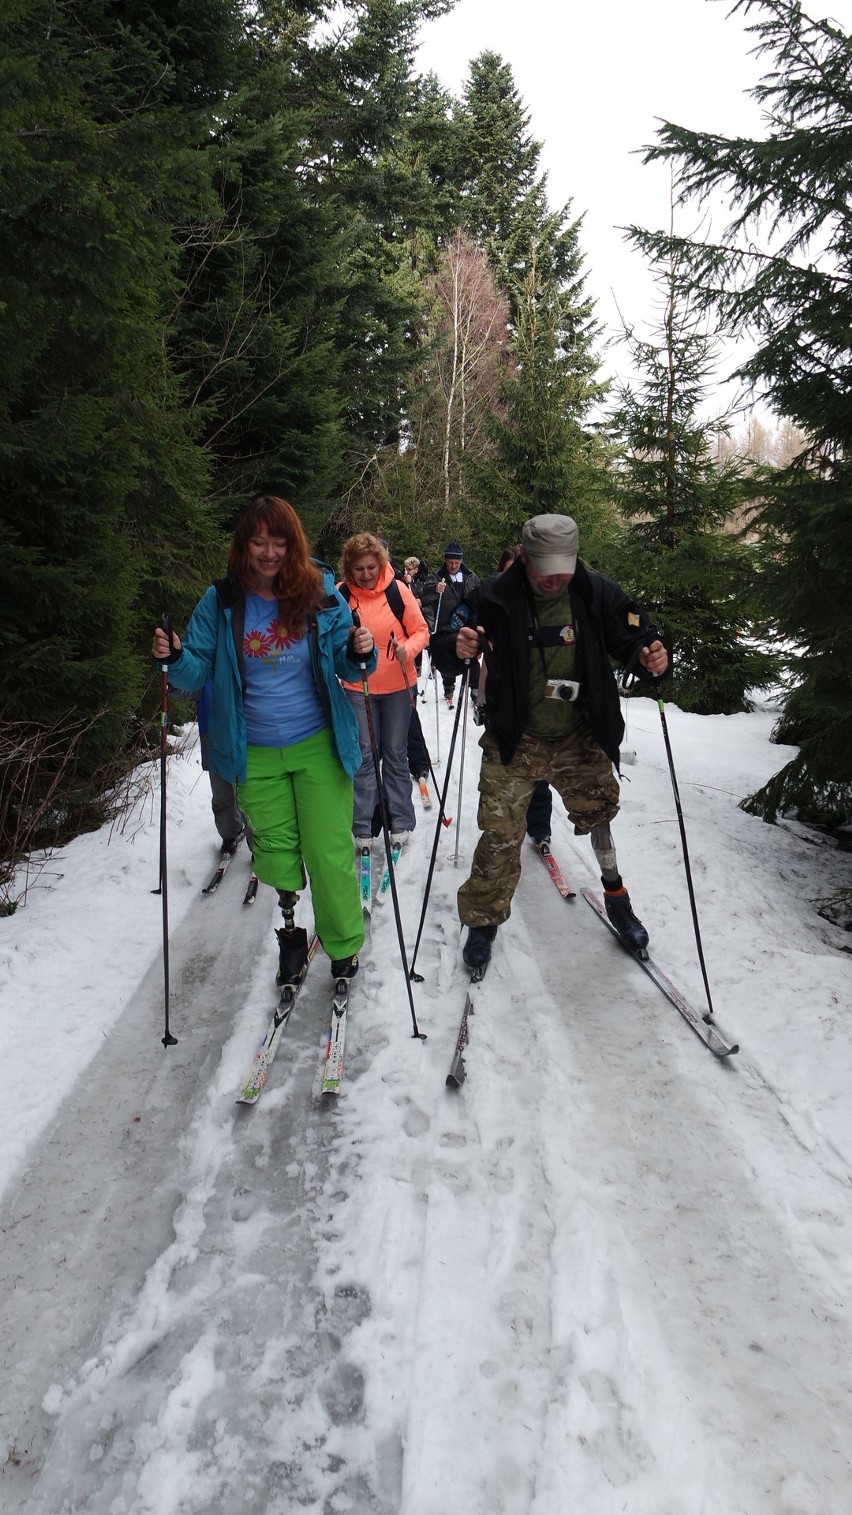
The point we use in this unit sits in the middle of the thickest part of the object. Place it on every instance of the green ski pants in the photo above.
(299, 802)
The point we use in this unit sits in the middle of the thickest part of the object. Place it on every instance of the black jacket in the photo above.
(444, 605)
(607, 624)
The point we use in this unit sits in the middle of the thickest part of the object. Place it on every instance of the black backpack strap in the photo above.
(393, 597)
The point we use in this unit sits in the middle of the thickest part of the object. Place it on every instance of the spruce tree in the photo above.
(780, 272)
(546, 455)
(97, 457)
(680, 553)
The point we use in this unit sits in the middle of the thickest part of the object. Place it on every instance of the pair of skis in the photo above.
(225, 860)
(332, 1075)
(704, 1026)
(365, 880)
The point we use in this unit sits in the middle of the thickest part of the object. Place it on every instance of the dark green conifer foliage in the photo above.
(545, 458)
(680, 553)
(781, 271)
(497, 166)
(254, 327)
(355, 82)
(97, 461)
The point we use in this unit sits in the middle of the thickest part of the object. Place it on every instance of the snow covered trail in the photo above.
(608, 1299)
(610, 1273)
(96, 1206)
(163, 1242)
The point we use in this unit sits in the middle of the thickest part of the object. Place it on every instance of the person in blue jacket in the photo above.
(275, 637)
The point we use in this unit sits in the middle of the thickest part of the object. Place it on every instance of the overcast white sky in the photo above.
(596, 76)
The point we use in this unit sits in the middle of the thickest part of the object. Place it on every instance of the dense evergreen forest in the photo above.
(247, 247)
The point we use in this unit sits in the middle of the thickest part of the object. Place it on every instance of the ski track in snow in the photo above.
(608, 1274)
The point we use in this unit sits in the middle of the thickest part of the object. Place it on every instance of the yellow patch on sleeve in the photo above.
(632, 618)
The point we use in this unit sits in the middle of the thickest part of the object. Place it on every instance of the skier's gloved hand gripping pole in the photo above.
(383, 806)
(166, 627)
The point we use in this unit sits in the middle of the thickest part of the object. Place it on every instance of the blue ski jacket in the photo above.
(213, 649)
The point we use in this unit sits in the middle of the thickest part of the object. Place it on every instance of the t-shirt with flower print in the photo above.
(282, 703)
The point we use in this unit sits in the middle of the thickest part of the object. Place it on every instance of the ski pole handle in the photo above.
(168, 627)
(356, 622)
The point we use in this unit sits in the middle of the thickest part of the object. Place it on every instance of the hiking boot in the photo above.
(363, 843)
(477, 948)
(344, 967)
(628, 926)
(541, 841)
(399, 838)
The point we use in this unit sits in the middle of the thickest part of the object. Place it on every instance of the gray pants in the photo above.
(227, 815)
(391, 719)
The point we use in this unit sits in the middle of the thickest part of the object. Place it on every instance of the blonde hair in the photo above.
(413, 563)
(358, 547)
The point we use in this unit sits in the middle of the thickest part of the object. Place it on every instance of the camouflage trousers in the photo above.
(580, 772)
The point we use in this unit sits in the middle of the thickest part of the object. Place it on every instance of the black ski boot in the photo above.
(477, 948)
(230, 845)
(292, 942)
(344, 967)
(292, 955)
(628, 926)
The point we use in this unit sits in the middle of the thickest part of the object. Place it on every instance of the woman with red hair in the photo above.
(275, 637)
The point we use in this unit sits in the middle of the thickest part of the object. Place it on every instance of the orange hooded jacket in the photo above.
(375, 613)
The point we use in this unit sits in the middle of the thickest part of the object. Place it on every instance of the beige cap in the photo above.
(550, 542)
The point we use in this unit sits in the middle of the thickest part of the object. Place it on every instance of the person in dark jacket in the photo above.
(548, 627)
(441, 595)
(540, 808)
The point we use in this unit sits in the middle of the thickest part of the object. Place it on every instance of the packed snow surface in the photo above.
(610, 1273)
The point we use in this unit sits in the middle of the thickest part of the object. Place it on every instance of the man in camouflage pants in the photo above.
(548, 627)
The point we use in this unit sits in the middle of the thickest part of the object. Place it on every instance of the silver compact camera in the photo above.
(562, 689)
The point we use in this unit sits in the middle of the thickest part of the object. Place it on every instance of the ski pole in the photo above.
(465, 699)
(435, 682)
(418, 978)
(447, 819)
(166, 623)
(383, 808)
(692, 905)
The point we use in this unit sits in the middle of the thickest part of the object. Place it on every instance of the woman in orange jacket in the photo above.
(386, 606)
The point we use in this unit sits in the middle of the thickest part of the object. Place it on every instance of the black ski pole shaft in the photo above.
(465, 702)
(412, 699)
(166, 623)
(449, 770)
(435, 681)
(692, 905)
(383, 807)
